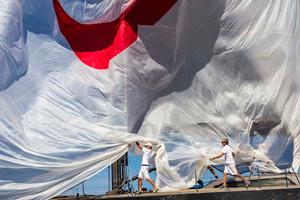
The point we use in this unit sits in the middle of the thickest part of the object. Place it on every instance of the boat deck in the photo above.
(263, 188)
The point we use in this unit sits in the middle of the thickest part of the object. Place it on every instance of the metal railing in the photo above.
(256, 174)
(286, 170)
(259, 175)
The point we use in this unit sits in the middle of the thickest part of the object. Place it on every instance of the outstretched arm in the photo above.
(139, 145)
(216, 157)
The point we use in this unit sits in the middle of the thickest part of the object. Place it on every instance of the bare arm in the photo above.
(216, 157)
(139, 145)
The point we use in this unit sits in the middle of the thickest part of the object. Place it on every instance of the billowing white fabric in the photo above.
(207, 70)
(13, 53)
(245, 87)
(89, 11)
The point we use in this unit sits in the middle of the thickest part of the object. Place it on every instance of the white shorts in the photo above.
(230, 169)
(144, 172)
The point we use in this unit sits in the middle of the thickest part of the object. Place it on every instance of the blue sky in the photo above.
(99, 183)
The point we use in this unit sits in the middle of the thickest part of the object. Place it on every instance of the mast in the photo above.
(119, 174)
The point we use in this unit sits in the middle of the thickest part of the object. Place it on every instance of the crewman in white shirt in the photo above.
(229, 163)
(144, 171)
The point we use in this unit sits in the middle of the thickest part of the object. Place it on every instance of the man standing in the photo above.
(144, 171)
(229, 163)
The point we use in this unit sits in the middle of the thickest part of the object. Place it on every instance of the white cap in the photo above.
(148, 144)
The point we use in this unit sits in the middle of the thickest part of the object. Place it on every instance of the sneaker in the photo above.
(155, 190)
(139, 192)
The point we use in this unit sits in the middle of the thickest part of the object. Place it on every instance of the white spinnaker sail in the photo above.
(205, 70)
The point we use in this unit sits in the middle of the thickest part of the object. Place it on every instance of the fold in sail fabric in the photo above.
(79, 78)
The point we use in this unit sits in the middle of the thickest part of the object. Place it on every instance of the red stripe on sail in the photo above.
(96, 44)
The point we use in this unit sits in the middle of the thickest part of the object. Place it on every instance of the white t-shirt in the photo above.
(228, 155)
(146, 156)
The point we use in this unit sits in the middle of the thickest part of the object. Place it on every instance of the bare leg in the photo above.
(155, 188)
(140, 182)
(225, 180)
(243, 179)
